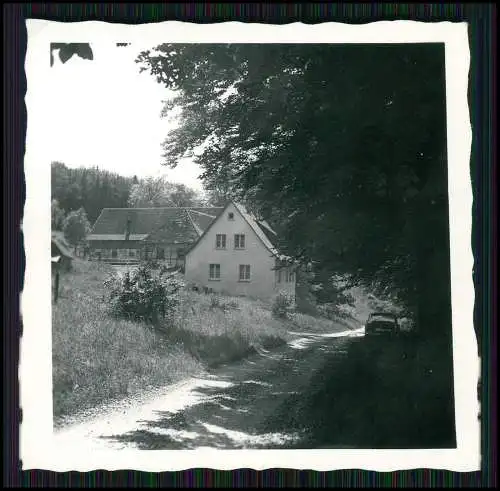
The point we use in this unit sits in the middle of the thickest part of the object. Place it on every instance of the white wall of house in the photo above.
(263, 281)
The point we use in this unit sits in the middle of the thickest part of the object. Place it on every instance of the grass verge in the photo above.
(98, 358)
(217, 329)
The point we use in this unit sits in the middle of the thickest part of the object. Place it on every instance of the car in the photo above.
(382, 323)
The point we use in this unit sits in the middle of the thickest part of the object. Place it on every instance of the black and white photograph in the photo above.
(259, 244)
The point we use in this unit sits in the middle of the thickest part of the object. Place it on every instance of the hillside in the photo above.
(98, 358)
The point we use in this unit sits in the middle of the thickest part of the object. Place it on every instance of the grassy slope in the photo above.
(97, 358)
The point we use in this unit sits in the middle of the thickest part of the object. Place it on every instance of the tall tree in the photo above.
(157, 191)
(76, 227)
(57, 215)
(148, 193)
(183, 196)
(90, 188)
(342, 147)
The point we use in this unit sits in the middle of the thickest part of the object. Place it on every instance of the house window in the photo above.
(114, 253)
(214, 272)
(160, 253)
(289, 276)
(220, 241)
(244, 272)
(131, 253)
(239, 241)
(230, 216)
(279, 275)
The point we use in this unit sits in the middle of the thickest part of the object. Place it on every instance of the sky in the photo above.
(107, 114)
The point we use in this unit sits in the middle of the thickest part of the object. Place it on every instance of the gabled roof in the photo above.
(265, 233)
(178, 229)
(202, 219)
(112, 222)
(261, 228)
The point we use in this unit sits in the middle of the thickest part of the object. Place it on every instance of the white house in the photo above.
(237, 255)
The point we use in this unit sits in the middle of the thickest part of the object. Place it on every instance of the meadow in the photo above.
(98, 358)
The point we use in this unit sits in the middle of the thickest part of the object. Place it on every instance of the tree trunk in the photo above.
(434, 292)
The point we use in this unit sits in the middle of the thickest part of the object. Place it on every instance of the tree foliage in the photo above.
(68, 50)
(341, 147)
(76, 226)
(94, 189)
(89, 188)
(57, 215)
(282, 305)
(157, 191)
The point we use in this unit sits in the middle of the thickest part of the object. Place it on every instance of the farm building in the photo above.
(237, 254)
(128, 235)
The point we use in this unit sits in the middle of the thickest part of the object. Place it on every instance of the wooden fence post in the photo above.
(56, 286)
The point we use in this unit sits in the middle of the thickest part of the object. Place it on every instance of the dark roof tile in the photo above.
(146, 221)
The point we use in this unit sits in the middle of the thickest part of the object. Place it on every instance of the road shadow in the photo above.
(364, 394)
(384, 394)
(215, 422)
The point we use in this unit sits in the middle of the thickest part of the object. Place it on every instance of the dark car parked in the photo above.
(381, 323)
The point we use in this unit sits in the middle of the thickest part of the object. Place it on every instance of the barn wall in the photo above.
(170, 254)
(125, 249)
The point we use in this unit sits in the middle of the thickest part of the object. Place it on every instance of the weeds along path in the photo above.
(231, 407)
(100, 357)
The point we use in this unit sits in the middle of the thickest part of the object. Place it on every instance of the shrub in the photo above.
(282, 305)
(232, 304)
(214, 302)
(150, 263)
(217, 303)
(333, 311)
(140, 295)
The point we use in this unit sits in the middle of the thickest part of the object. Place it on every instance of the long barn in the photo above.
(128, 235)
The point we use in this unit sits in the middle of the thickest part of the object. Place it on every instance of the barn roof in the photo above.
(152, 222)
(178, 229)
(202, 219)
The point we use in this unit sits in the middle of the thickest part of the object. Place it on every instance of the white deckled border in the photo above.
(37, 448)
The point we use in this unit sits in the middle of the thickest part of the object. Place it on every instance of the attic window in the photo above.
(230, 216)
